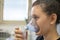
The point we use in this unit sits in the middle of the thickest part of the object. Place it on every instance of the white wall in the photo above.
(33, 1)
(58, 29)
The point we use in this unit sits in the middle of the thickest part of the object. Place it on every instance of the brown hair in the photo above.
(51, 6)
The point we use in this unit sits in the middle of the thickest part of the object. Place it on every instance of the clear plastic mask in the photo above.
(32, 26)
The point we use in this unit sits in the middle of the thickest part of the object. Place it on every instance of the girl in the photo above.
(46, 13)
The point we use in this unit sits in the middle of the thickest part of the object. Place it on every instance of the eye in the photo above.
(36, 17)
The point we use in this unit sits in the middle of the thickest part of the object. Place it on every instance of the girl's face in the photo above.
(42, 20)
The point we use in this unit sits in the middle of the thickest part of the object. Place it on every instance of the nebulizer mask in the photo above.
(32, 26)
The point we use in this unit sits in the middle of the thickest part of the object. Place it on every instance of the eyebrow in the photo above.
(34, 16)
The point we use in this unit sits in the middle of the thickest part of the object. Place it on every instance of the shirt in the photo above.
(41, 38)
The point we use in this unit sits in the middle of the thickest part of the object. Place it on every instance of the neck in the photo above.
(51, 35)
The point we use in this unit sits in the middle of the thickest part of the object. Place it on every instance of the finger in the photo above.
(19, 36)
(18, 32)
(19, 39)
(16, 28)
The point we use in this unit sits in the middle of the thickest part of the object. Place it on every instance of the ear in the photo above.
(53, 18)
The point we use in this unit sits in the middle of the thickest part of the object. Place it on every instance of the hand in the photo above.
(18, 34)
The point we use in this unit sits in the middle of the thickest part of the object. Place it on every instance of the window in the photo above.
(15, 10)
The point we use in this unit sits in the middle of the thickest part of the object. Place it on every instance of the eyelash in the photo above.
(35, 18)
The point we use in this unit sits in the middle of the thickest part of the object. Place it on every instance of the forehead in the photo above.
(37, 10)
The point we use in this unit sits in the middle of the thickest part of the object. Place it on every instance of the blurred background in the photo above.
(15, 13)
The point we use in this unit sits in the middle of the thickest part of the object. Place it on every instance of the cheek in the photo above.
(43, 25)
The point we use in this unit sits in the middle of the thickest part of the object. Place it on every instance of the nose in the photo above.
(32, 22)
